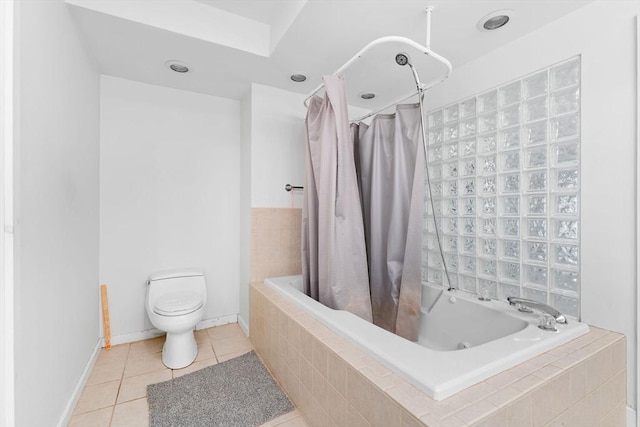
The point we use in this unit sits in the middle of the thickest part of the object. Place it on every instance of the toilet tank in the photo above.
(177, 280)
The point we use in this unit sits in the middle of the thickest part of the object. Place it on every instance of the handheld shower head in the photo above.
(402, 59)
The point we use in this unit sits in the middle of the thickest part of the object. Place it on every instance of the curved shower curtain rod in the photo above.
(396, 39)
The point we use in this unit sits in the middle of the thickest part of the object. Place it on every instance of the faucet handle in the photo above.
(523, 308)
(547, 322)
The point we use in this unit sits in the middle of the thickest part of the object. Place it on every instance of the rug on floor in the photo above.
(239, 392)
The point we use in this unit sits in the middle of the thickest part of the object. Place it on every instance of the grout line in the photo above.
(124, 368)
(215, 353)
(113, 410)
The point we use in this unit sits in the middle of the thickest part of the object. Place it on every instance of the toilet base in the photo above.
(179, 350)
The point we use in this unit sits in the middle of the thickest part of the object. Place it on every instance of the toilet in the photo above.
(175, 304)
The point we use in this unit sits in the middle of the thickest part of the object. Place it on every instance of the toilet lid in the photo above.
(177, 303)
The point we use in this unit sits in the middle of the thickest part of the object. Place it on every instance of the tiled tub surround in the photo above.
(275, 242)
(496, 335)
(333, 383)
(504, 168)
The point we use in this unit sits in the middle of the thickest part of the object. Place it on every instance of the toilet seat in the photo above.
(177, 303)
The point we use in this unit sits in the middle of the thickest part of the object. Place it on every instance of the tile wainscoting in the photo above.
(333, 383)
(275, 242)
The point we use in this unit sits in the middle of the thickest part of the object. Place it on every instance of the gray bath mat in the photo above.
(238, 392)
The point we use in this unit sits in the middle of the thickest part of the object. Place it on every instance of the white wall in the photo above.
(245, 212)
(604, 34)
(272, 156)
(277, 146)
(57, 146)
(169, 195)
(7, 387)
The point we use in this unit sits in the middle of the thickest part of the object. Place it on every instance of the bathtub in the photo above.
(462, 340)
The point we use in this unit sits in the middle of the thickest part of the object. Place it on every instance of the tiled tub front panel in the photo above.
(333, 383)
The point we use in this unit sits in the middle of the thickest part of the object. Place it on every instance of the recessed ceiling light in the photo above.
(495, 20)
(298, 78)
(178, 66)
(367, 95)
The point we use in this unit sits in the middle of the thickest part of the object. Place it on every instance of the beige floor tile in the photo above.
(116, 353)
(110, 365)
(294, 422)
(282, 418)
(133, 388)
(153, 345)
(142, 363)
(205, 351)
(229, 356)
(234, 344)
(131, 414)
(225, 331)
(104, 372)
(202, 336)
(99, 418)
(195, 366)
(97, 397)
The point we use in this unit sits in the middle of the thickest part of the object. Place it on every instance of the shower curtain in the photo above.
(391, 175)
(363, 212)
(333, 247)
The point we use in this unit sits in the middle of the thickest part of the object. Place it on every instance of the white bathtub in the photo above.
(498, 337)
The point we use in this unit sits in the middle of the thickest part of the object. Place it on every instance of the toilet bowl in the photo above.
(175, 304)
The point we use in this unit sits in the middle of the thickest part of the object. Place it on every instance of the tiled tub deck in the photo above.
(333, 383)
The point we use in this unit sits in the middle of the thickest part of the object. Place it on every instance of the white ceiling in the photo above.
(312, 37)
(264, 11)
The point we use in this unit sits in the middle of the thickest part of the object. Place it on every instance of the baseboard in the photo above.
(218, 321)
(631, 417)
(153, 333)
(65, 418)
(243, 325)
(135, 336)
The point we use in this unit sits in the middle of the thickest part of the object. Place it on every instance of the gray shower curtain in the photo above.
(363, 212)
(333, 247)
(391, 174)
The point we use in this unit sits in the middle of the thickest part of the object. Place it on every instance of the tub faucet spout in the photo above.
(535, 305)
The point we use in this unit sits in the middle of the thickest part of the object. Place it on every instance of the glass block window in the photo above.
(504, 166)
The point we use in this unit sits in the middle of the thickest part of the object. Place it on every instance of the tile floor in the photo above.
(115, 394)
